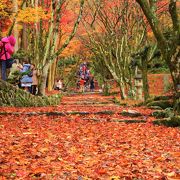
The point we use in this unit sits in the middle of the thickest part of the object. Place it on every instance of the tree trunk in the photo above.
(15, 29)
(24, 34)
(51, 75)
(145, 80)
(43, 80)
(121, 90)
(170, 50)
(24, 39)
(174, 65)
(106, 88)
(50, 78)
(121, 93)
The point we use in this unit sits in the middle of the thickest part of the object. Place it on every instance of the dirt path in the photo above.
(86, 137)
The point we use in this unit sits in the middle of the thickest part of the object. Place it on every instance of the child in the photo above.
(58, 85)
(82, 83)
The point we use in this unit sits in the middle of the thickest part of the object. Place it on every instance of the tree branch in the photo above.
(174, 16)
(59, 51)
(14, 20)
(154, 23)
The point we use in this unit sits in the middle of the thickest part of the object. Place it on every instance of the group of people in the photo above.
(85, 79)
(83, 85)
(24, 76)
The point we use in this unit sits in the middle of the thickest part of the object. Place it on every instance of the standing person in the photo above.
(58, 85)
(26, 80)
(34, 79)
(6, 50)
(78, 85)
(92, 84)
(87, 79)
(82, 84)
(14, 75)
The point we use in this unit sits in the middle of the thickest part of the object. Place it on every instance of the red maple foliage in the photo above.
(85, 146)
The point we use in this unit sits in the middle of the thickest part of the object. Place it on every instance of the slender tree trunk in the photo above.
(43, 80)
(144, 70)
(24, 36)
(15, 29)
(173, 62)
(54, 65)
(50, 78)
(121, 90)
(51, 75)
(24, 39)
(174, 66)
(36, 3)
(121, 93)
(106, 88)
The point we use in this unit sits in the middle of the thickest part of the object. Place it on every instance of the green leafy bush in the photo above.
(162, 103)
(12, 96)
(169, 122)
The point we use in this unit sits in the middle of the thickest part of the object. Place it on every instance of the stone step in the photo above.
(57, 113)
(85, 102)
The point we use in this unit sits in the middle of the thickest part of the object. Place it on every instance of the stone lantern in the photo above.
(138, 83)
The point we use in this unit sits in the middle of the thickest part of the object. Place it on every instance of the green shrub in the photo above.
(162, 103)
(13, 96)
(168, 112)
(169, 122)
(158, 98)
(159, 114)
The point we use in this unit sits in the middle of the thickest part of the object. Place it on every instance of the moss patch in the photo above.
(162, 103)
(12, 96)
(169, 122)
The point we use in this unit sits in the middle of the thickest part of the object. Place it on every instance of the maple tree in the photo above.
(168, 42)
(46, 28)
(103, 18)
(116, 30)
(47, 39)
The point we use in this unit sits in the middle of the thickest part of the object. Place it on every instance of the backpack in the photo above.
(1, 50)
(10, 61)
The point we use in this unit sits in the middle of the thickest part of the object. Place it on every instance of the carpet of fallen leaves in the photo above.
(87, 146)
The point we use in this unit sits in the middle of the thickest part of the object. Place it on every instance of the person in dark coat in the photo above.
(92, 84)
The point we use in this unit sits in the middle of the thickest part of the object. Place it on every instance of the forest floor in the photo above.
(86, 137)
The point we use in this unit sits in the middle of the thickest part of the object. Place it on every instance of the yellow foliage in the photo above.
(32, 15)
(72, 48)
(3, 7)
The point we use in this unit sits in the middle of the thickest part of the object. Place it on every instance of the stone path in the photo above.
(88, 107)
(86, 137)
